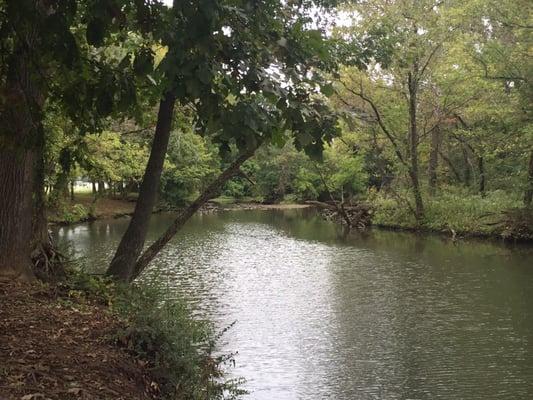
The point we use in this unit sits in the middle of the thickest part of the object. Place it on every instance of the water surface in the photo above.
(325, 315)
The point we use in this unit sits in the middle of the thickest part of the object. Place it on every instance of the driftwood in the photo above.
(357, 215)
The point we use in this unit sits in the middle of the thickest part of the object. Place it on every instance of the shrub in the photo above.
(75, 213)
(178, 347)
(452, 210)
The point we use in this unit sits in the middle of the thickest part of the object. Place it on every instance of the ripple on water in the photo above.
(324, 316)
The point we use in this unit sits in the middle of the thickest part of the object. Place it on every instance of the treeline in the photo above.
(396, 104)
(437, 118)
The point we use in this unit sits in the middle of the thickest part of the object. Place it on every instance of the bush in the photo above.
(75, 213)
(178, 347)
(452, 210)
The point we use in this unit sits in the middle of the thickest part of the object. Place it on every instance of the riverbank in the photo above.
(85, 208)
(84, 337)
(494, 216)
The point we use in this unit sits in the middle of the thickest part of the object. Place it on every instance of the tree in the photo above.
(25, 43)
(410, 38)
(503, 52)
(248, 84)
(48, 56)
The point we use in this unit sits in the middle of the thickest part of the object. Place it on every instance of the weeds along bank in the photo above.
(497, 214)
(97, 339)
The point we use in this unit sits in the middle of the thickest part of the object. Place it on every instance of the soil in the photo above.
(56, 346)
(102, 208)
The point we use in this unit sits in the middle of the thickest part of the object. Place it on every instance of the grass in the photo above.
(225, 200)
(177, 348)
(454, 210)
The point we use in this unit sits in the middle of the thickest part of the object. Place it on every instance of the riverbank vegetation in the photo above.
(421, 113)
(436, 137)
(85, 337)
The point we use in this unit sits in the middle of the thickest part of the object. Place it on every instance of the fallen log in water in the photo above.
(358, 215)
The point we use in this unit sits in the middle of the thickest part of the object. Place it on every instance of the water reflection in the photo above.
(324, 315)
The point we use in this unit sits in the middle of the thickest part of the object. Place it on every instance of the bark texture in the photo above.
(413, 146)
(130, 247)
(21, 113)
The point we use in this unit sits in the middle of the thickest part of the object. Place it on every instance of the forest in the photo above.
(416, 113)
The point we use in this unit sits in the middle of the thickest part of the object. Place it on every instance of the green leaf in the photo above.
(327, 90)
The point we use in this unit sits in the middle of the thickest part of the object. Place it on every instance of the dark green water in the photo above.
(323, 315)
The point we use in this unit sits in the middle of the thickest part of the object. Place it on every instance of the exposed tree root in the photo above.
(48, 262)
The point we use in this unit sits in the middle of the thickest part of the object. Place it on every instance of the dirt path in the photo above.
(54, 346)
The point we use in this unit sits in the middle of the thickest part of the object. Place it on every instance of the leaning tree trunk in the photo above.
(528, 196)
(413, 147)
(130, 247)
(210, 192)
(21, 117)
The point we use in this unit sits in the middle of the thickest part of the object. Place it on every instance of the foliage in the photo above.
(162, 332)
(112, 157)
(191, 162)
(453, 209)
(75, 213)
(178, 346)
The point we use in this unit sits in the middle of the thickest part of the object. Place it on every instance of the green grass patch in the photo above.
(452, 210)
(222, 200)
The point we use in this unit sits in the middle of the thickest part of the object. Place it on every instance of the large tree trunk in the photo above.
(130, 247)
(15, 213)
(210, 192)
(21, 103)
(413, 147)
(434, 160)
(528, 196)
